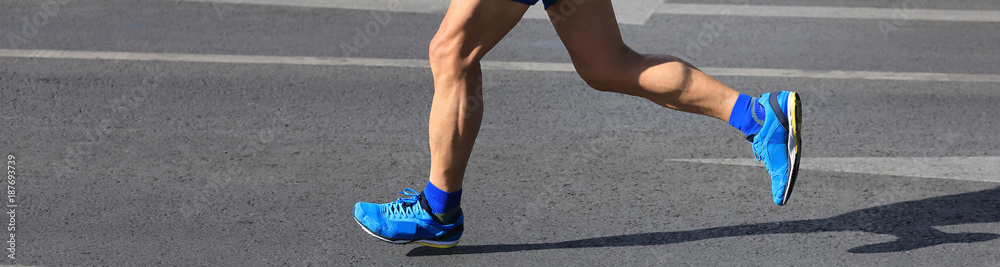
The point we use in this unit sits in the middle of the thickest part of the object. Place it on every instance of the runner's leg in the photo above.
(589, 31)
(772, 123)
(469, 30)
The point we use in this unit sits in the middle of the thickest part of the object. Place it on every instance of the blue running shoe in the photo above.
(407, 220)
(778, 144)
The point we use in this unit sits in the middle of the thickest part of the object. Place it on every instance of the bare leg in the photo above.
(469, 30)
(590, 32)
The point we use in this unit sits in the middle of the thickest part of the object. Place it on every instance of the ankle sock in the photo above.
(444, 206)
(747, 115)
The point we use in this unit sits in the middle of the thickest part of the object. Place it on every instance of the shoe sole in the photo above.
(429, 243)
(795, 136)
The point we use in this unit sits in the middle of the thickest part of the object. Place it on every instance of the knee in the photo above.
(457, 74)
(438, 52)
(446, 55)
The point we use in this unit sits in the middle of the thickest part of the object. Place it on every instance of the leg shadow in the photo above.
(911, 222)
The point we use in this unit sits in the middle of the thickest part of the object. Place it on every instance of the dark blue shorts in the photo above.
(547, 3)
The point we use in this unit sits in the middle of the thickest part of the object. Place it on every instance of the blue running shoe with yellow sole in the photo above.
(778, 144)
(407, 220)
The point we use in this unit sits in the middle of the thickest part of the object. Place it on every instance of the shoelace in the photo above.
(403, 207)
(758, 157)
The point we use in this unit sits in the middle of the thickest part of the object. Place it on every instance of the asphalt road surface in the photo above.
(242, 132)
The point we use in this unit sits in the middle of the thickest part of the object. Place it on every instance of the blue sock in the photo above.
(743, 115)
(444, 205)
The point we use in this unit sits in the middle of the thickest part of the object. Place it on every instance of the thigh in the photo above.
(473, 27)
(589, 30)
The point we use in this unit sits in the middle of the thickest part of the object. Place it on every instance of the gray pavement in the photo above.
(135, 163)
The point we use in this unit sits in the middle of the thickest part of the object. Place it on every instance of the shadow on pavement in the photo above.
(911, 222)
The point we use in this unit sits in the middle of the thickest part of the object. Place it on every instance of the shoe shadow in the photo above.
(911, 222)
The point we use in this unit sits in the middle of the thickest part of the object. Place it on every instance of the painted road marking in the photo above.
(957, 168)
(900, 13)
(637, 12)
(634, 12)
(489, 65)
(208, 58)
(857, 75)
(983, 169)
(411, 6)
(627, 11)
